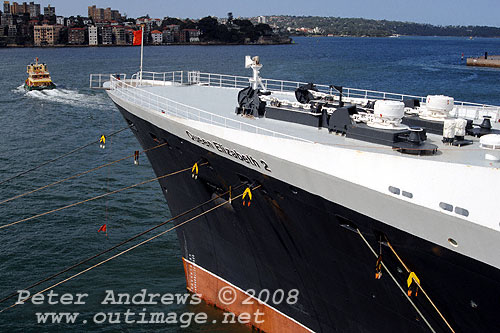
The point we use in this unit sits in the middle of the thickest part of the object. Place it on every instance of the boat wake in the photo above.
(66, 96)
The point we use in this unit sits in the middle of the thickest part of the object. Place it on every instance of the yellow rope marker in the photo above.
(194, 171)
(102, 141)
(249, 193)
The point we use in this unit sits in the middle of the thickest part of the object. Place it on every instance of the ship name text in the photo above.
(213, 145)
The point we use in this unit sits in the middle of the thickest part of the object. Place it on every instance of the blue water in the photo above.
(38, 126)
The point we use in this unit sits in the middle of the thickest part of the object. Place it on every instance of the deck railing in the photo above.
(462, 109)
(97, 80)
(153, 78)
(466, 110)
(131, 91)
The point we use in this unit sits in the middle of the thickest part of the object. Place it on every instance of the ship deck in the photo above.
(223, 101)
(212, 98)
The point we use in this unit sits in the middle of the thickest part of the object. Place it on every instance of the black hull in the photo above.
(290, 239)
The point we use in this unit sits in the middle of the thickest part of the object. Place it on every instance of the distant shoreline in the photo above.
(169, 44)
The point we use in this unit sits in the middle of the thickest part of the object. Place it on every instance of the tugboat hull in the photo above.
(30, 88)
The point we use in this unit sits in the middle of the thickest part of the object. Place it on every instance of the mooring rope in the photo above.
(396, 282)
(120, 244)
(95, 198)
(127, 250)
(61, 156)
(420, 286)
(77, 175)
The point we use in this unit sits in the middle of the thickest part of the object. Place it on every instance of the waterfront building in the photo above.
(261, 19)
(93, 36)
(15, 8)
(6, 7)
(119, 35)
(46, 35)
(107, 35)
(106, 14)
(191, 35)
(60, 20)
(115, 15)
(168, 36)
(157, 37)
(76, 36)
(34, 9)
(129, 35)
(49, 11)
(12, 30)
(7, 19)
(175, 32)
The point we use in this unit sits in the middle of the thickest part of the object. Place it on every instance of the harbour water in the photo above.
(40, 125)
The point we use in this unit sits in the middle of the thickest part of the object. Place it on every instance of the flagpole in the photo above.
(142, 50)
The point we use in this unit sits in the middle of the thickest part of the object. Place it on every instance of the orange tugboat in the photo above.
(39, 78)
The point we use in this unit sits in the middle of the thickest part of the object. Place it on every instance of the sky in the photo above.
(437, 12)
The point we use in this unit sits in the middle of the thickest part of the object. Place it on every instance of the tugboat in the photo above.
(39, 78)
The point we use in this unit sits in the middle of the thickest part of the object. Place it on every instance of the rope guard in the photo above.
(413, 287)
(249, 193)
(102, 141)
(136, 157)
(194, 171)
(378, 268)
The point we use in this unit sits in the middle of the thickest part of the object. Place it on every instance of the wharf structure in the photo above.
(484, 61)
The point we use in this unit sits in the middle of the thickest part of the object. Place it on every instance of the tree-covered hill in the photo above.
(367, 27)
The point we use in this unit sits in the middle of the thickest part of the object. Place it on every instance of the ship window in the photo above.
(394, 190)
(446, 206)
(407, 194)
(453, 242)
(294, 190)
(461, 211)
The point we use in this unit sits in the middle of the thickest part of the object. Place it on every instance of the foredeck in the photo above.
(216, 103)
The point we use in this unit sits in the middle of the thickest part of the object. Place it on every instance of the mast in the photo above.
(142, 51)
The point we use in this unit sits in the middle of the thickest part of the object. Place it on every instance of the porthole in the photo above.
(452, 242)
(409, 195)
(446, 206)
(394, 190)
(462, 211)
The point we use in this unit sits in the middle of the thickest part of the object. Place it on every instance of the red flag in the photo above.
(137, 37)
(102, 228)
